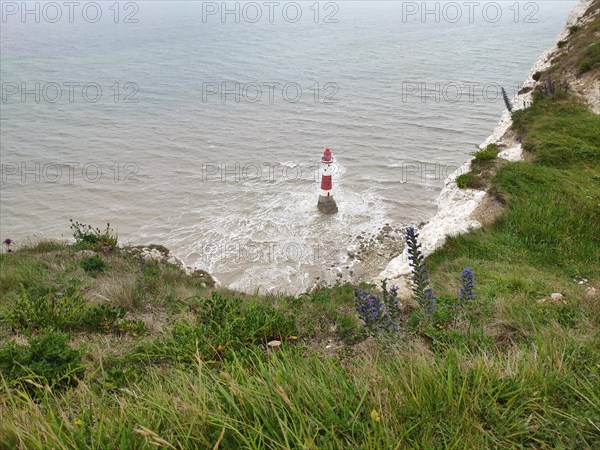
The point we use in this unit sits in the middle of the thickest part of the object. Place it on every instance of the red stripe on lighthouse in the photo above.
(326, 182)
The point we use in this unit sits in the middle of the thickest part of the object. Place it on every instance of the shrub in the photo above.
(69, 312)
(88, 237)
(185, 342)
(574, 29)
(561, 44)
(462, 181)
(469, 180)
(47, 360)
(102, 316)
(111, 318)
(93, 265)
(260, 324)
(453, 324)
(132, 327)
(488, 153)
(215, 310)
(31, 312)
(117, 372)
(591, 59)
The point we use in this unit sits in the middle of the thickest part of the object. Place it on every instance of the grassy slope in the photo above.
(580, 51)
(525, 373)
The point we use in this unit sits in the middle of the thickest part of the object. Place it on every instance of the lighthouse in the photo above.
(326, 202)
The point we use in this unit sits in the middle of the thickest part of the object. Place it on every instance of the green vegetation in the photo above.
(582, 54)
(35, 311)
(88, 237)
(482, 167)
(468, 180)
(562, 134)
(218, 328)
(94, 264)
(47, 363)
(486, 154)
(101, 348)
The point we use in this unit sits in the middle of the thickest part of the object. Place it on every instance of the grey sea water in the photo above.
(181, 126)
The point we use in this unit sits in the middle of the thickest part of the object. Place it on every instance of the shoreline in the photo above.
(458, 208)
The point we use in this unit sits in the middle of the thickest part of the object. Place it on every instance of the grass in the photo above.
(486, 154)
(553, 219)
(482, 165)
(580, 53)
(469, 180)
(292, 398)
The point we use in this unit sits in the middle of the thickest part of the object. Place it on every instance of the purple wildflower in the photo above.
(467, 291)
(8, 243)
(423, 293)
(429, 300)
(378, 313)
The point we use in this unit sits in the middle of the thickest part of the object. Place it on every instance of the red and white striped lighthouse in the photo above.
(326, 202)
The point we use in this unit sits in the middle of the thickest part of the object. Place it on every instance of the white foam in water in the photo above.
(297, 245)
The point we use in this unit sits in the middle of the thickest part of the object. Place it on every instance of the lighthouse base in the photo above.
(327, 205)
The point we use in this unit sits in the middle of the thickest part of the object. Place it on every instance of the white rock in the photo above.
(512, 153)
